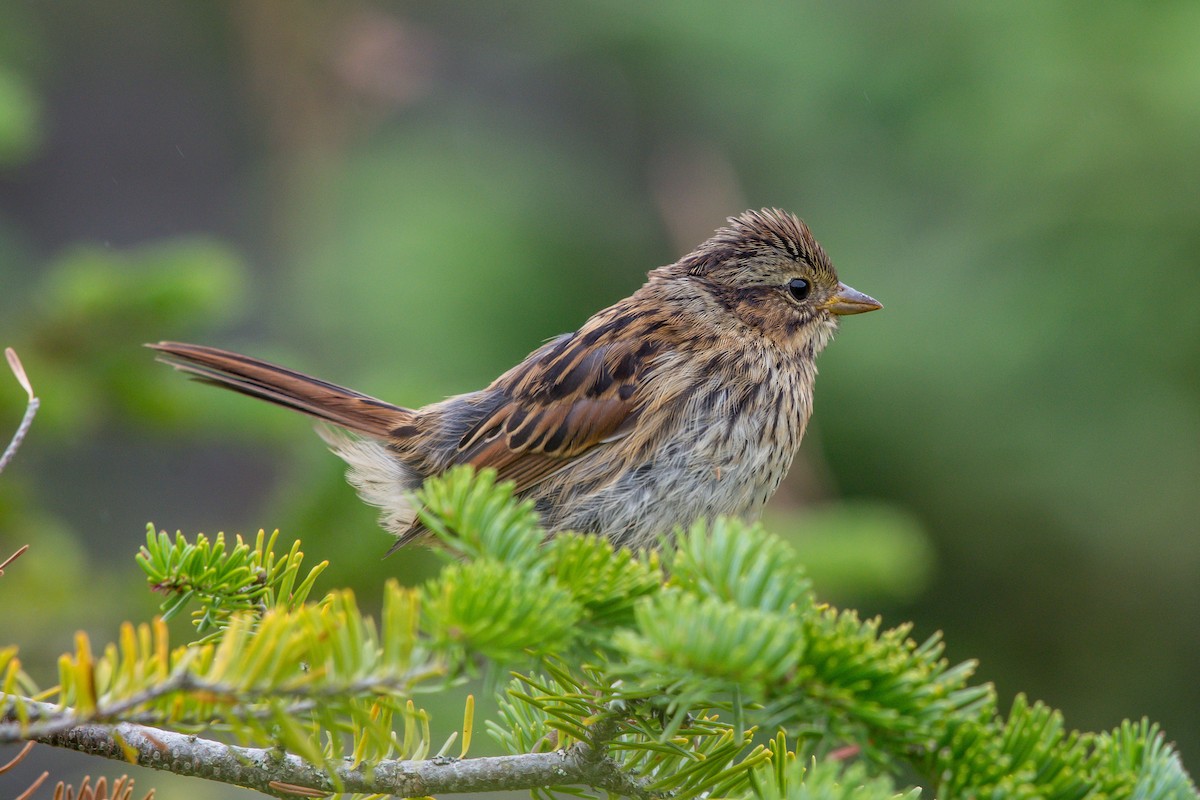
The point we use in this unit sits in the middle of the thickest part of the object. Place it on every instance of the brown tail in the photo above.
(325, 401)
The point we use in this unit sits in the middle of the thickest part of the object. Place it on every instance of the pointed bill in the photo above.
(851, 301)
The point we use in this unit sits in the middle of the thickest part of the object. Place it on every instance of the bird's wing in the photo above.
(581, 392)
(574, 394)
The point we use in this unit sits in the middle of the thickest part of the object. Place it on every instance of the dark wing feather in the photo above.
(579, 393)
(570, 396)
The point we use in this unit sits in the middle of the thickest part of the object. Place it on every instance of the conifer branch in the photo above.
(268, 770)
(53, 720)
(647, 675)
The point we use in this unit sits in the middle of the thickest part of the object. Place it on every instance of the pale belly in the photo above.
(722, 459)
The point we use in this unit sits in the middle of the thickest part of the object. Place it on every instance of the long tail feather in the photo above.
(250, 376)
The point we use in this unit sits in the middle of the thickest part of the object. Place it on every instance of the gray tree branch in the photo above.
(281, 774)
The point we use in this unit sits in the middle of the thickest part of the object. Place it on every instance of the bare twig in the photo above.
(17, 759)
(31, 408)
(281, 774)
(20, 552)
(33, 787)
(122, 787)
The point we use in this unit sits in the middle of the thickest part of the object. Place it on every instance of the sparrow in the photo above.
(686, 400)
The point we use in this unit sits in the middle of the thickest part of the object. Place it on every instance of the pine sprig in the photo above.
(563, 708)
(487, 607)
(1139, 749)
(787, 777)
(742, 565)
(223, 582)
(474, 517)
(877, 689)
(1030, 755)
(645, 678)
(695, 647)
(319, 680)
(606, 582)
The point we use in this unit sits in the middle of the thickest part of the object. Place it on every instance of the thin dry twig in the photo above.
(20, 552)
(17, 759)
(31, 408)
(33, 787)
(285, 774)
(122, 787)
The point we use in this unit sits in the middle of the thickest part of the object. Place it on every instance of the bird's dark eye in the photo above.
(799, 289)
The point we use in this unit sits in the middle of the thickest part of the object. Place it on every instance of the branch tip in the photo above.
(31, 407)
(18, 758)
(14, 363)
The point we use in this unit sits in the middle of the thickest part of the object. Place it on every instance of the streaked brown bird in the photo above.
(687, 399)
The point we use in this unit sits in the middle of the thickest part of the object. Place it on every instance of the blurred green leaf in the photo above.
(20, 119)
(861, 549)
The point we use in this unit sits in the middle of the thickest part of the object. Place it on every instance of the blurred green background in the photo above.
(408, 197)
